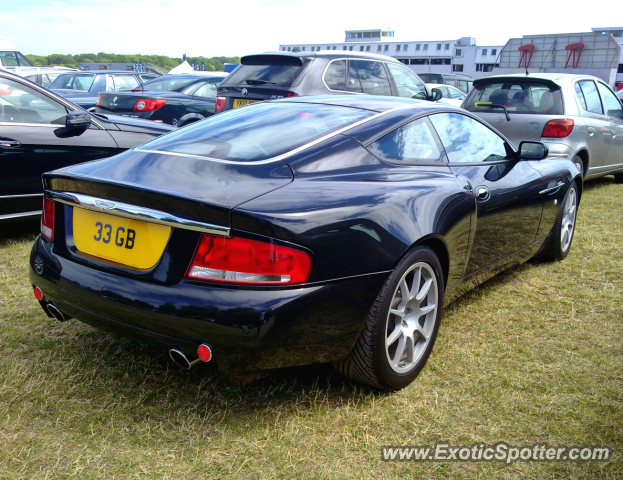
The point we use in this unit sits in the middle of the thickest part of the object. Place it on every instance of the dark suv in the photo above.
(292, 74)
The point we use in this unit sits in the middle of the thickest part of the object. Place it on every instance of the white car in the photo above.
(449, 95)
(42, 75)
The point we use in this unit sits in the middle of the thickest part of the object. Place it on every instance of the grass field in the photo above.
(534, 355)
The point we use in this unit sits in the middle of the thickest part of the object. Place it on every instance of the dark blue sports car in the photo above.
(82, 88)
(174, 99)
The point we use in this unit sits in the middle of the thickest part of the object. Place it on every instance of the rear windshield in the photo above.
(70, 81)
(431, 77)
(170, 83)
(276, 73)
(258, 132)
(518, 96)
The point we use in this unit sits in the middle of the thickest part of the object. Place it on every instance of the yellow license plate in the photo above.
(121, 240)
(241, 102)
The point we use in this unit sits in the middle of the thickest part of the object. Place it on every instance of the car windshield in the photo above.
(272, 70)
(518, 96)
(258, 132)
(72, 81)
(170, 83)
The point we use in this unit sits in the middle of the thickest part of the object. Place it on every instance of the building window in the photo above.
(446, 46)
(348, 35)
(419, 61)
(368, 48)
(494, 51)
(440, 61)
(459, 52)
(439, 46)
(457, 68)
(289, 49)
(361, 48)
(397, 48)
(344, 47)
(417, 47)
(350, 48)
(620, 70)
(484, 51)
(425, 46)
(404, 47)
(312, 48)
(378, 48)
(386, 47)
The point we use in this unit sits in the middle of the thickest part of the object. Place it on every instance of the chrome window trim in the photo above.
(283, 155)
(21, 214)
(135, 212)
(22, 195)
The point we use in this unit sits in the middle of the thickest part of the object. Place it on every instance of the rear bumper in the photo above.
(248, 329)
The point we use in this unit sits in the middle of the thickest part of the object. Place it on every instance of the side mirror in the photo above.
(436, 94)
(533, 151)
(78, 119)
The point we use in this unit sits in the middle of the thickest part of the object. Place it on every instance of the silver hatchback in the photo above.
(577, 116)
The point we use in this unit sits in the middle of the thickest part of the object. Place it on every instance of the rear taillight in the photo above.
(148, 105)
(290, 94)
(244, 261)
(557, 128)
(99, 101)
(138, 90)
(219, 106)
(47, 219)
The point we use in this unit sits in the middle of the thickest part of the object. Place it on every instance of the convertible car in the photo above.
(299, 231)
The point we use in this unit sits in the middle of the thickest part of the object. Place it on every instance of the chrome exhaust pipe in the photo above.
(56, 313)
(181, 360)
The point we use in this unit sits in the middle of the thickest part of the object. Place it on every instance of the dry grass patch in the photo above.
(534, 355)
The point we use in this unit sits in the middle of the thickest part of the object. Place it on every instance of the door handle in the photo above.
(553, 189)
(8, 143)
(482, 192)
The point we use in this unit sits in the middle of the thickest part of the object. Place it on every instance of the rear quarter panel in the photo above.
(360, 215)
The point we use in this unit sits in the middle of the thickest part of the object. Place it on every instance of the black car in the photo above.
(298, 231)
(82, 88)
(40, 131)
(174, 99)
(276, 75)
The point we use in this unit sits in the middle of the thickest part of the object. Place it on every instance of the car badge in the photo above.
(104, 205)
(244, 92)
(114, 99)
(499, 119)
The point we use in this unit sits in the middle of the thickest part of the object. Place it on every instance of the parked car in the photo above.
(449, 95)
(463, 82)
(620, 94)
(577, 116)
(173, 99)
(42, 75)
(40, 131)
(10, 58)
(295, 74)
(82, 88)
(298, 231)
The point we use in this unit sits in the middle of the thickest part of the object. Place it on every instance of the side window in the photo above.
(352, 82)
(110, 83)
(373, 77)
(21, 104)
(468, 141)
(456, 94)
(335, 75)
(125, 82)
(407, 83)
(593, 104)
(580, 96)
(8, 59)
(207, 90)
(611, 102)
(414, 143)
(45, 80)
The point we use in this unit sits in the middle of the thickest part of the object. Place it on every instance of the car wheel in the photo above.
(400, 331)
(564, 228)
(579, 163)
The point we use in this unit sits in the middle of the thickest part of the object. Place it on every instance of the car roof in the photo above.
(538, 76)
(196, 74)
(103, 72)
(374, 103)
(331, 54)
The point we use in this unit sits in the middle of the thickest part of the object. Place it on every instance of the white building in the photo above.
(617, 33)
(441, 56)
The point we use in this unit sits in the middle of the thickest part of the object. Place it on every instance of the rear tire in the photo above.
(561, 235)
(401, 328)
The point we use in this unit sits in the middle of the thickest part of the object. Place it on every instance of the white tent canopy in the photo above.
(183, 67)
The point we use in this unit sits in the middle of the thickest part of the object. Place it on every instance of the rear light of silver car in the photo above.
(98, 104)
(559, 128)
(148, 105)
(219, 106)
(47, 219)
(244, 261)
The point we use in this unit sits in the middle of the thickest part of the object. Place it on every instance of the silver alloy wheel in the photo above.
(411, 318)
(568, 220)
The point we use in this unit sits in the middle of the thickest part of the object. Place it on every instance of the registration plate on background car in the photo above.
(241, 102)
(122, 240)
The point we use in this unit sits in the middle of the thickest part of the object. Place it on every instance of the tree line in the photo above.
(57, 59)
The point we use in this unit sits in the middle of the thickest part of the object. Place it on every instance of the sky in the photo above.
(204, 28)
